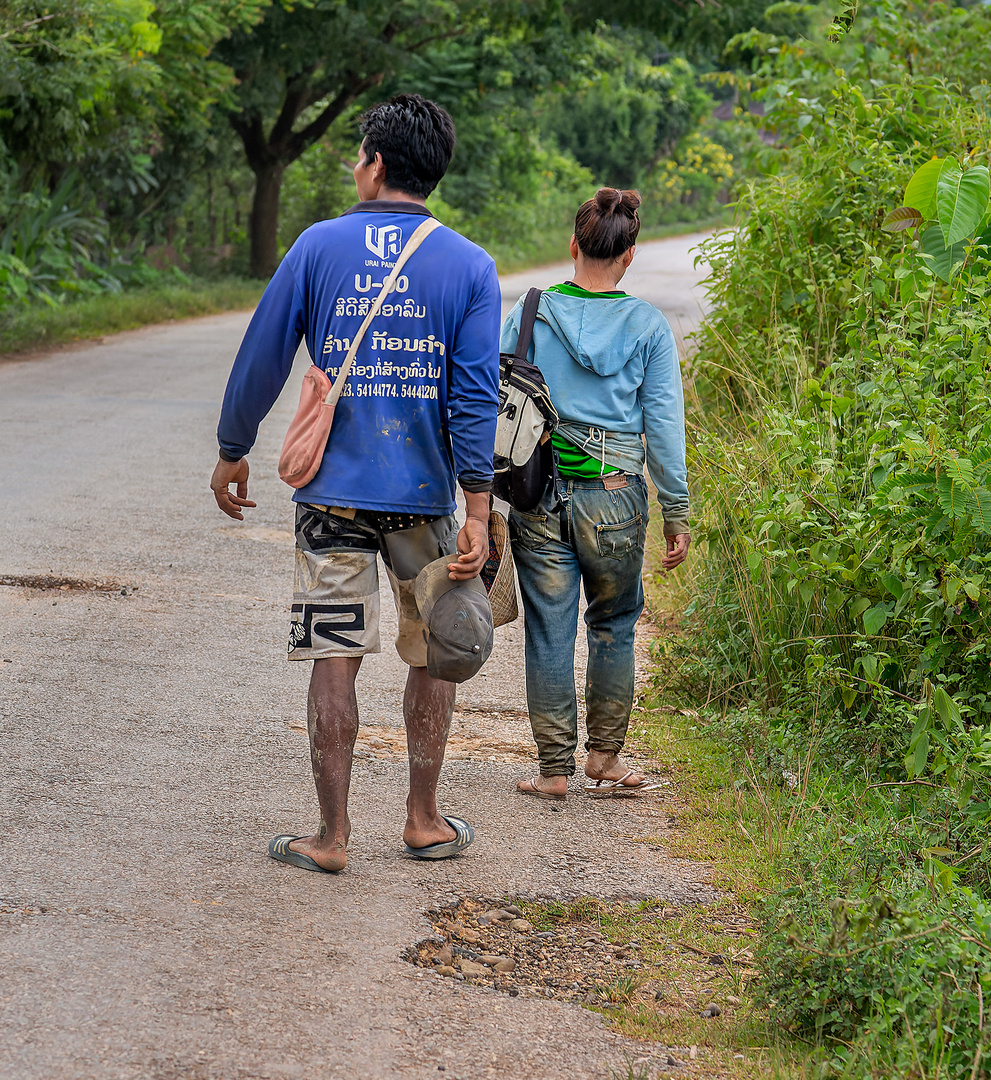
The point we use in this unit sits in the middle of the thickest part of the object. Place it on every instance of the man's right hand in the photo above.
(225, 474)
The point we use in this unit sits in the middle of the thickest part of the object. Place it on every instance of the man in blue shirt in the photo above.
(417, 413)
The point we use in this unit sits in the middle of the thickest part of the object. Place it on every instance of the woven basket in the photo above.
(497, 574)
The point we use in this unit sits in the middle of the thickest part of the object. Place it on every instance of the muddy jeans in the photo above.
(595, 539)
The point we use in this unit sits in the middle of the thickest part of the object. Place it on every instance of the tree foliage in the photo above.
(629, 114)
(180, 121)
(301, 67)
(697, 31)
(70, 77)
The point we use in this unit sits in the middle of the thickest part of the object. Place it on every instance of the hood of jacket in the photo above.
(601, 334)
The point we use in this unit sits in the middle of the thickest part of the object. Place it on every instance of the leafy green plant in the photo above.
(49, 248)
(841, 615)
(876, 947)
(690, 183)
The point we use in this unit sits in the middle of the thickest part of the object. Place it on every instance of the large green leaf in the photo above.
(921, 756)
(961, 200)
(859, 606)
(875, 619)
(945, 706)
(945, 260)
(921, 191)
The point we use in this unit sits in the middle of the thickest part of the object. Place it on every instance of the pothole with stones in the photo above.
(493, 944)
(60, 583)
(625, 959)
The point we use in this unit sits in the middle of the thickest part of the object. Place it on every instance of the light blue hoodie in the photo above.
(611, 365)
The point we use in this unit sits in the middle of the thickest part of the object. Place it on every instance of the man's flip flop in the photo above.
(466, 834)
(280, 850)
(535, 793)
(619, 787)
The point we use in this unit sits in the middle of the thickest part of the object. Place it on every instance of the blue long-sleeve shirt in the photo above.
(419, 407)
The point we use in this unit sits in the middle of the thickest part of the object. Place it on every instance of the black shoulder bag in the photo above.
(524, 459)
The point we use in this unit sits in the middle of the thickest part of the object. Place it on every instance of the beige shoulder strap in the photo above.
(423, 230)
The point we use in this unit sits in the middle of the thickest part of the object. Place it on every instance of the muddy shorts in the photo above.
(335, 606)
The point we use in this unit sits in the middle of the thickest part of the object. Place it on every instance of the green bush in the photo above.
(846, 142)
(628, 115)
(50, 249)
(841, 460)
(876, 949)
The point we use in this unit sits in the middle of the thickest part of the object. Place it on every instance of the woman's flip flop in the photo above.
(529, 787)
(619, 787)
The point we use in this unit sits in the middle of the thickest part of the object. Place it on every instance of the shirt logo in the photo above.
(385, 241)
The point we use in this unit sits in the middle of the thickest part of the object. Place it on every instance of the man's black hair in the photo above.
(416, 140)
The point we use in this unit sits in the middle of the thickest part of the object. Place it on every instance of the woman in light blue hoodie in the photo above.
(611, 365)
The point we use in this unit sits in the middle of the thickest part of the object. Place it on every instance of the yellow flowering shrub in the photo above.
(690, 183)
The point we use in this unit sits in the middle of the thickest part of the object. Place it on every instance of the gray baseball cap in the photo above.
(459, 620)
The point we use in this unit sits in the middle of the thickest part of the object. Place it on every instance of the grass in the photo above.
(39, 326)
(799, 825)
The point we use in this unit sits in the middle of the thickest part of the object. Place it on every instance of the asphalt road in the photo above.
(153, 740)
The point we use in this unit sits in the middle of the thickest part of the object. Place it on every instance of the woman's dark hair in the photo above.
(416, 140)
(607, 226)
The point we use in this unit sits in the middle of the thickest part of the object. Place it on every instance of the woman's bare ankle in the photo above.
(607, 765)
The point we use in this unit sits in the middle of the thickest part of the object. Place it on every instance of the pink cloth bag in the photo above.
(306, 439)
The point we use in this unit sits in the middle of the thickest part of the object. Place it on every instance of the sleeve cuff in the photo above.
(474, 482)
(676, 526)
(229, 457)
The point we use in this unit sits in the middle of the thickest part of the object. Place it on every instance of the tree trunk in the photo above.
(265, 220)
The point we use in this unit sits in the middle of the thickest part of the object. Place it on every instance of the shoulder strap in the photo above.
(527, 319)
(423, 230)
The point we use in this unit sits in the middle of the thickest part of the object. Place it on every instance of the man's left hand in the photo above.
(473, 549)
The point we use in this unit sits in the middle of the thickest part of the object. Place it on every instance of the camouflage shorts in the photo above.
(335, 607)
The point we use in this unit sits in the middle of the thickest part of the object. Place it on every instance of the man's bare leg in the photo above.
(428, 705)
(332, 719)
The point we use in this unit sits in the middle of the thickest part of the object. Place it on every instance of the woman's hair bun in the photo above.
(608, 224)
(608, 200)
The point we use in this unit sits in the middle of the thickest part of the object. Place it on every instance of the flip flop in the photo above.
(280, 850)
(619, 788)
(535, 793)
(466, 834)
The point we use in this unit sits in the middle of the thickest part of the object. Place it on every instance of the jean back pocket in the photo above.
(621, 540)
